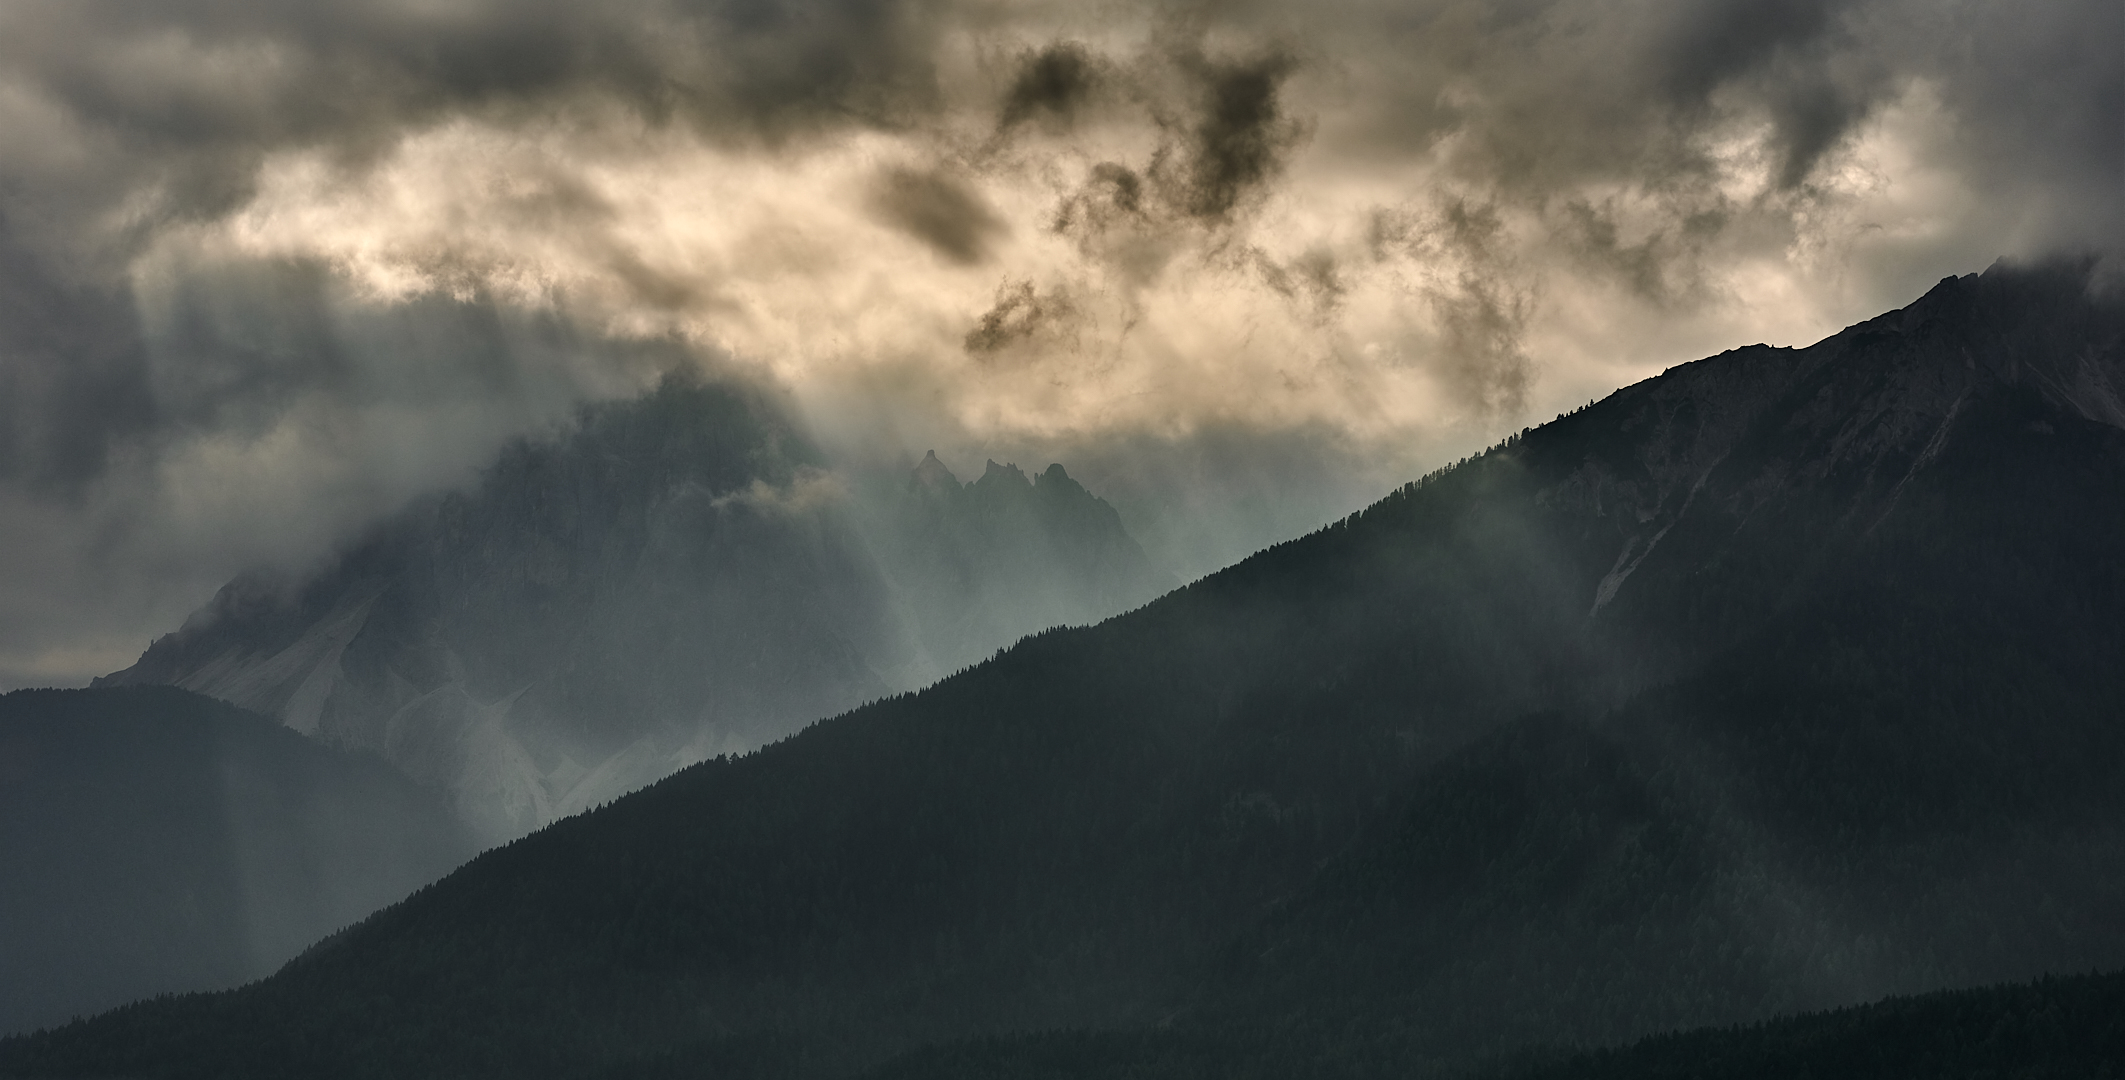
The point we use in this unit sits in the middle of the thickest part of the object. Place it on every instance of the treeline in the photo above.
(2070, 1028)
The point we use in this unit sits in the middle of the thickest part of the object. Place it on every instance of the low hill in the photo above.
(157, 841)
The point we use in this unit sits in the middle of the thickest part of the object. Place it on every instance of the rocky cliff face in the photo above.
(677, 577)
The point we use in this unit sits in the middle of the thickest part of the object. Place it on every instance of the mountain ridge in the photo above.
(673, 577)
(1760, 636)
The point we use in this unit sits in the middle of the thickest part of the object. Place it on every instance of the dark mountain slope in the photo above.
(158, 841)
(1662, 714)
(1905, 777)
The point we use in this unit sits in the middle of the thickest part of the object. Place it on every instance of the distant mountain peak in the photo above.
(994, 473)
(932, 475)
(600, 610)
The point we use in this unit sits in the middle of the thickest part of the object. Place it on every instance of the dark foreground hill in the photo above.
(154, 841)
(1785, 681)
(2050, 1029)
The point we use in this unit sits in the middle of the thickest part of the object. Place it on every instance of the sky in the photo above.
(269, 269)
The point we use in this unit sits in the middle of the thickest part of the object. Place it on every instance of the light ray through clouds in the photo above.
(266, 269)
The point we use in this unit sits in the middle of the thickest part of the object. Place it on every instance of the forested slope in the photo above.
(2070, 1028)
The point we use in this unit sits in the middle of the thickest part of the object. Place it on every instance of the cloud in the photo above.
(266, 268)
(811, 491)
(1023, 317)
(1237, 143)
(1053, 83)
(939, 210)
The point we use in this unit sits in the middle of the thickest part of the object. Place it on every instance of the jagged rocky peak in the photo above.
(1055, 486)
(604, 606)
(654, 585)
(994, 475)
(932, 477)
(983, 564)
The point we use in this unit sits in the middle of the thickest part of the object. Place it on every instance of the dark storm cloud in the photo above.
(1660, 268)
(1482, 309)
(190, 96)
(1023, 315)
(1542, 92)
(1314, 280)
(1225, 133)
(1236, 144)
(2041, 90)
(1783, 48)
(175, 106)
(1474, 167)
(1225, 138)
(1546, 94)
(938, 209)
(1526, 103)
(746, 64)
(232, 349)
(1112, 194)
(1052, 84)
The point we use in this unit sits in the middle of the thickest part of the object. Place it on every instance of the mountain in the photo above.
(672, 578)
(158, 841)
(1783, 681)
(985, 563)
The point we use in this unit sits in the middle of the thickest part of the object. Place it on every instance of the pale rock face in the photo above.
(294, 682)
(675, 579)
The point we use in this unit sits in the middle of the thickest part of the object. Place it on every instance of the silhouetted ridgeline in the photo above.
(1785, 681)
(153, 840)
